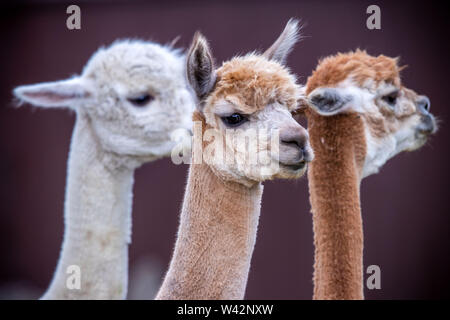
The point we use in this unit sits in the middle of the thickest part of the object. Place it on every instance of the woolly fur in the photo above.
(348, 147)
(358, 66)
(221, 208)
(255, 82)
(111, 138)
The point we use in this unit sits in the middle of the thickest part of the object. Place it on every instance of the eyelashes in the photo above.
(141, 100)
(391, 98)
(234, 120)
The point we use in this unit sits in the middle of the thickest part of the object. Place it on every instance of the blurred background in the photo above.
(405, 207)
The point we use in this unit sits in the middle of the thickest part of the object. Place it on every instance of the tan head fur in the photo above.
(395, 118)
(251, 92)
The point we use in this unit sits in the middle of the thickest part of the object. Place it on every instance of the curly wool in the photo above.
(255, 82)
(361, 67)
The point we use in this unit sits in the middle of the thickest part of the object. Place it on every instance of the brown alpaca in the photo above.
(359, 116)
(221, 206)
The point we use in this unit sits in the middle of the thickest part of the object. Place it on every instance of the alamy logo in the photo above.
(250, 148)
(74, 20)
(374, 20)
(73, 281)
(374, 280)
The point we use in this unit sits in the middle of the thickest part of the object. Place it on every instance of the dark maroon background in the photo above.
(405, 207)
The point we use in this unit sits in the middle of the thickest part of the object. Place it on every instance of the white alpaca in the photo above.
(129, 99)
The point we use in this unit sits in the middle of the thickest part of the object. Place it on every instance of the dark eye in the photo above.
(391, 98)
(234, 120)
(141, 100)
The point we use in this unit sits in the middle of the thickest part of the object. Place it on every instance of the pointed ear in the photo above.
(201, 72)
(281, 48)
(64, 93)
(330, 101)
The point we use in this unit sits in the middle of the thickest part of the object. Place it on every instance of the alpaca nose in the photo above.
(424, 104)
(297, 137)
(293, 138)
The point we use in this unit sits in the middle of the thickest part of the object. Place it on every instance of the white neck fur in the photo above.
(97, 221)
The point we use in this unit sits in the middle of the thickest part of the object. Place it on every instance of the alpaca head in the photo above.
(133, 94)
(395, 118)
(251, 96)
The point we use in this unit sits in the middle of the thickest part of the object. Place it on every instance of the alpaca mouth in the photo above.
(427, 127)
(294, 167)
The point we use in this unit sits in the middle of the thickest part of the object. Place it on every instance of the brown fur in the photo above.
(334, 178)
(254, 82)
(387, 121)
(358, 65)
(335, 174)
(377, 125)
(221, 208)
(216, 238)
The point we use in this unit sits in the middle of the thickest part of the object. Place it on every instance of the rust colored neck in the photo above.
(334, 180)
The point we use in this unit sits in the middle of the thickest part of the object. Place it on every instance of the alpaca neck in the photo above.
(334, 179)
(216, 237)
(97, 223)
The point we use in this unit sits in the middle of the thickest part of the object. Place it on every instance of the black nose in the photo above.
(424, 104)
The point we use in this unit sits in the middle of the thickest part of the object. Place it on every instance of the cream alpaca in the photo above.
(128, 100)
(221, 206)
(359, 116)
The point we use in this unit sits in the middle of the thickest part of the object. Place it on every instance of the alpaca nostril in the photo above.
(295, 138)
(308, 154)
(300, 145)
(424, 104)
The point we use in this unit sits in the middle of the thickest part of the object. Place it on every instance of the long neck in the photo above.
(97, 224)
(334, 180)
(216, 237)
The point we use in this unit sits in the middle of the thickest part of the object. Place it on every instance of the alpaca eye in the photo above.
(141, 100)
(234, 120)
(391, 98)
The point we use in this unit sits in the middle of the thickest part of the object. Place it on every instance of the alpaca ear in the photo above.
(330, 101)
(64, 93)
(201, 72)
(281, 48)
